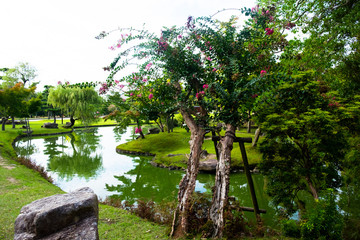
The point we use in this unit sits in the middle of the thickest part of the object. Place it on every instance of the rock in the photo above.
(63, 216)
(174, 155)
(204, 154)
(208, 165)
(50, 125)
(154, 131)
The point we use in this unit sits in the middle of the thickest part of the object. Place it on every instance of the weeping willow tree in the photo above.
(79, 103)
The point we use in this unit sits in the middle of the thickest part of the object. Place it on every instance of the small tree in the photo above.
(304, 143)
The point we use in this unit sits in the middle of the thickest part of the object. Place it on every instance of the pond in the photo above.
(87, 158)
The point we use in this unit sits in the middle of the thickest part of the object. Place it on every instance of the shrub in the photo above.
(324, 221)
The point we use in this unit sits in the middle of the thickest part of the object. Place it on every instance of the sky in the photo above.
(58, 37)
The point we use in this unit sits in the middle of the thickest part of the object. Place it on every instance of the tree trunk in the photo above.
(249, 123)
(4, 119)
(256, 137)
(187, 184)
(222, 180)
(54, 117)
(313, 190)
(72, 121)
(13, 121)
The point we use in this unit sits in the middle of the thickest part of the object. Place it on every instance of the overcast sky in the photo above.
(58, 37)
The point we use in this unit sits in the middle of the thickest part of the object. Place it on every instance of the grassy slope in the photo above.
(178, 143)
(20, 186)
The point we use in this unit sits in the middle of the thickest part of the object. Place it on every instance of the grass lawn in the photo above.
(20, 185)
(177, 142)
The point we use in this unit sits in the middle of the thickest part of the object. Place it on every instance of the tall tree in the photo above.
(80, 103)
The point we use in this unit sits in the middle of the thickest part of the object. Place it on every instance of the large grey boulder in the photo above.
(63, 216)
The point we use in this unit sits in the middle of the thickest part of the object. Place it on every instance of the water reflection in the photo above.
(88, 158)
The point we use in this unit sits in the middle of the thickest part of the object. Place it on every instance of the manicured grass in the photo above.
(20, 186)
(177, 142)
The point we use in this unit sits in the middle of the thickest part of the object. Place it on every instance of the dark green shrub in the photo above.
(324, 221)
(290, 228)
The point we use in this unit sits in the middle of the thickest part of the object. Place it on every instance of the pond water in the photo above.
(87, 158)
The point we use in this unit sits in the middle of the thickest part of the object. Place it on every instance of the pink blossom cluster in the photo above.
(269, 31)
(290, 25)
(205, 86)
(138, 130)
(148, 66)
(151, 96)
(200, 94)
(104, 88)
(262, 73)
(163, 45)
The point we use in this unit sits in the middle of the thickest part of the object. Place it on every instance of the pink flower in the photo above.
(205, 86)
(59, 82)
(97, 112)
(144, 80)
(179, 36)
(117, 81)
(199, 94)
(121, 86)
(262, 73)
(67, 83)
(151, 96)
(139, 95)
(162, 103)
(131, 94)
(118, 45)
(148, 66)
(208, 58)
(214, 70)
(138, 130)
(210, 48)
(112, 48)
(269, 31)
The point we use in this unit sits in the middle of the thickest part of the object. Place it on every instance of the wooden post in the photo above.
(215, 144)
(250, 181)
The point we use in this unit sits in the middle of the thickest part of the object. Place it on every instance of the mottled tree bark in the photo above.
(256, 137)
(187, 183)
(222, 180)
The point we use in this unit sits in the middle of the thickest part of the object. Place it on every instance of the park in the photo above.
(231, 129)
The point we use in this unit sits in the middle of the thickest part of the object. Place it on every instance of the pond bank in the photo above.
(20, 185)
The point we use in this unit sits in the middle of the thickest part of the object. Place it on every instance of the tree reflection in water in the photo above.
(84, 161)
(142, 183)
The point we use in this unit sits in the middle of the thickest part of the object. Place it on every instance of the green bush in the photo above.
(324, 221)
(290, 228)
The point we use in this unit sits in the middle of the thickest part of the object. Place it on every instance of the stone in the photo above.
(154, 131)
(208, 165)
(50, 125)
(63, 216)
(204, 154)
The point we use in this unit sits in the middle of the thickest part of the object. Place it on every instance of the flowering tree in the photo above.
(213, 66)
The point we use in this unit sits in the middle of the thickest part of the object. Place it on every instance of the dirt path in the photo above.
(4, 164)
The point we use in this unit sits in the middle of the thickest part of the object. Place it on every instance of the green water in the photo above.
(87, 158)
